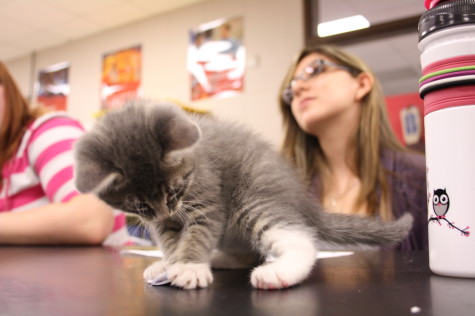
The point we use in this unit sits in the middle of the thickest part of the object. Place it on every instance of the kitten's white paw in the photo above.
(154, 270)
(295, 254)
(190, 275)
(275, 276)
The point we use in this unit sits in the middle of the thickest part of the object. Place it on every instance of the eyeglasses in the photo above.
(312, 70)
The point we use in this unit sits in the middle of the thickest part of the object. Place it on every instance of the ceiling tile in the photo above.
(77, 28)
(38, 41)
(118, 14)
(33, 13)
(14, 28)
(82, 7)
(58, 21)
(162, 6)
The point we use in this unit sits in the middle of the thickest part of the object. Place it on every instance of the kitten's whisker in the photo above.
(184, 215)
(189, 208)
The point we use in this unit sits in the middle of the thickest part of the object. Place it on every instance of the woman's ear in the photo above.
(365, 84)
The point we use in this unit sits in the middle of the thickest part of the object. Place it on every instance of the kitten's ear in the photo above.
(90, 178)
(183, 134)
(105, 183)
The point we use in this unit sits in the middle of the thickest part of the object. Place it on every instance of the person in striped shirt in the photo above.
(39, 203)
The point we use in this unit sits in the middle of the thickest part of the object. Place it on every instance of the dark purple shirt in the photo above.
(407, 180)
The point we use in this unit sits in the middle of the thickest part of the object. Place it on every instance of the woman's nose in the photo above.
(299, 86)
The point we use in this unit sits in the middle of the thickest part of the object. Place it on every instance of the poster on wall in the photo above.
(217, 59)
(121, 73)
(406, 114)
(53, 87)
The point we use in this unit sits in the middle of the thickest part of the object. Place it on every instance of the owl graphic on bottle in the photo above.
(440, 205)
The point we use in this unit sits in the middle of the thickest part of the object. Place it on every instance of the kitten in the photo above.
(214, 195)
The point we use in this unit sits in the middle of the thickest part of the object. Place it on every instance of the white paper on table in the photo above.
(146, 253)
(333, 254)
(159, 253)
(162, 278)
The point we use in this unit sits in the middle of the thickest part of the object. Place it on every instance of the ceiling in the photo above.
(33, 25)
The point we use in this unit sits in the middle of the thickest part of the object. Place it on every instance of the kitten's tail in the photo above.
(351, 229)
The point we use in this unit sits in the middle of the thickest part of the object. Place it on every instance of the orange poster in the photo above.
(120, 76)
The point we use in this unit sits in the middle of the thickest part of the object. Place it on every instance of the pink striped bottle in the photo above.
(447, 45)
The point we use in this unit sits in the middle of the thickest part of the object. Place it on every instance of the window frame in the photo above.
(374, 32)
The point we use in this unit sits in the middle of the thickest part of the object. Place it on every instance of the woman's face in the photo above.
(322, 98)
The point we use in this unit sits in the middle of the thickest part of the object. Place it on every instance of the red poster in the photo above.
(406, 113)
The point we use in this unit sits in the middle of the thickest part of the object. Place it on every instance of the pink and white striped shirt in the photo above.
(41, 171)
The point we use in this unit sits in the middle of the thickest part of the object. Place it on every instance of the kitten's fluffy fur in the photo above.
(214, 195)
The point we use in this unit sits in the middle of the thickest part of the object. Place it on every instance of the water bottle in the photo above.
(447, 46)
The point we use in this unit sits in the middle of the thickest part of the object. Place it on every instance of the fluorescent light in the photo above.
(344, 25)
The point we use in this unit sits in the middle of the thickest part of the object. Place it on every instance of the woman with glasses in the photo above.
(338, 134)
(39, 203)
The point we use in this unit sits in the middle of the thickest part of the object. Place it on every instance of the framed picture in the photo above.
(121, 76)
(216, 59)
(53, 87)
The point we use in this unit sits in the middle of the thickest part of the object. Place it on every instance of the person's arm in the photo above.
(82, 220)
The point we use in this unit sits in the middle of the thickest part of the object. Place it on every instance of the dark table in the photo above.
(100, 281)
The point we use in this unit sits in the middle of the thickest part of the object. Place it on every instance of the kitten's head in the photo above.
(139, 159)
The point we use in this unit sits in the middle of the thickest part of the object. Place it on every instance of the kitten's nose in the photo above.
(161, 210)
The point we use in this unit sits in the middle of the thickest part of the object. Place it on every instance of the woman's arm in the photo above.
(82, 220)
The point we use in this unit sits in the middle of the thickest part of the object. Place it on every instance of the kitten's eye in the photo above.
(177, 189)
(187, 176)
(174, 194)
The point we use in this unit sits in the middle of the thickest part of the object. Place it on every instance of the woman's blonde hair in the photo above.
(16, 116)
(373, 135)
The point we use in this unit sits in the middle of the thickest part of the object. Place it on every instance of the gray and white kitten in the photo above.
(215, 195)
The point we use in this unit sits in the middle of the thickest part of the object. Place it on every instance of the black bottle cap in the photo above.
(446, 14)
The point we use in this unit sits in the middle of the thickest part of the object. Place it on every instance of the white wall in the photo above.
(273, 33)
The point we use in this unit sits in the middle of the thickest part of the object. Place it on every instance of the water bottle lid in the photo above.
(445, 15)
(429, 4)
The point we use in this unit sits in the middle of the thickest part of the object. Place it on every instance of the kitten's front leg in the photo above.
(295, 253)
(187, 256)
(190, 275)
(184, 275)
(167, 239)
